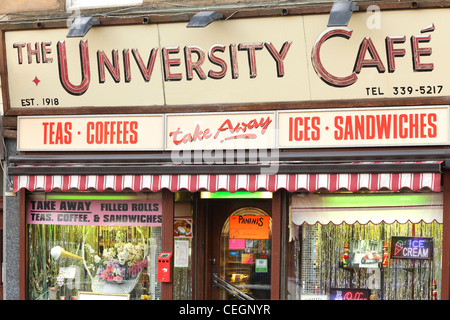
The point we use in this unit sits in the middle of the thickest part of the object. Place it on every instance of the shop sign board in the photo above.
(363, 127)
(217, 131)
(100, 133)
(137, 213)
(239, 61)
(319, 128)
(235, 61)
(206, 131)
(412, 248)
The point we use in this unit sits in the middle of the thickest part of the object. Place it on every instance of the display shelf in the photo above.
(341, 266)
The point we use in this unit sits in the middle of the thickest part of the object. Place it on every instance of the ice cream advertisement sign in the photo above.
(412, 248)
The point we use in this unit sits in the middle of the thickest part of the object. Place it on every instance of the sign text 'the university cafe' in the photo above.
(233, 62)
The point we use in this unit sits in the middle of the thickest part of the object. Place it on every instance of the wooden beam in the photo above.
(445, 276)
(23, 246)
(263, 106)
(167, 239)
(275, 261)
(305, 155)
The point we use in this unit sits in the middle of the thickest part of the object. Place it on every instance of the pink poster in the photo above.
(141, 213)
(236, 244)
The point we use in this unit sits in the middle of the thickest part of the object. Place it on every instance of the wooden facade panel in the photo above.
(19, 6)
(16, 6)
(49, 7)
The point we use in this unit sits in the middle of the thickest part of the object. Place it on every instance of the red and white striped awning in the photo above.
(249, 182)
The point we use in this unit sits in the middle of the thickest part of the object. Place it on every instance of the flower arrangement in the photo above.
(122, 262)
(112, 273)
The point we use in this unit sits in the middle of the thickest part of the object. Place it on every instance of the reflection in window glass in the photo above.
(117, 260)
(317, 249)
(93, 243)
(245, 262)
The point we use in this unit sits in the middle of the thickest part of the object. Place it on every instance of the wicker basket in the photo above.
(125, 287)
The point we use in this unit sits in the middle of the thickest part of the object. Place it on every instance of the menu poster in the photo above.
(249, 227)
(181, 254)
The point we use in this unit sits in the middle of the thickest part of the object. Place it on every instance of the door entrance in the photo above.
(238, 255)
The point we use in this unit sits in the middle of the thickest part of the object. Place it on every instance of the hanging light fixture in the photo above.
(81, 26)
(203, 18)
(341, 12)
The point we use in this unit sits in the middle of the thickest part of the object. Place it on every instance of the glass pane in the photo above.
(245, 262)
(317, 266)
(65, 259)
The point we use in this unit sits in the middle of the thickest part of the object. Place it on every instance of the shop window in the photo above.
(383, 246)
(93, 243)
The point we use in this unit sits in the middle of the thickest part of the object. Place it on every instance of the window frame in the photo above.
(94, 4)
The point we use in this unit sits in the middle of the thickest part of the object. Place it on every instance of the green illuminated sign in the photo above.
(236, 195)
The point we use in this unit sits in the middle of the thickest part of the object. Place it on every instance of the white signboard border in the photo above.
(275, 141)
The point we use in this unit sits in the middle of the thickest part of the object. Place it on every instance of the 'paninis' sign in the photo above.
(234, 61)
(249, 227)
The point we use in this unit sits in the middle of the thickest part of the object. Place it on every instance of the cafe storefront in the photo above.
(268, 158)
